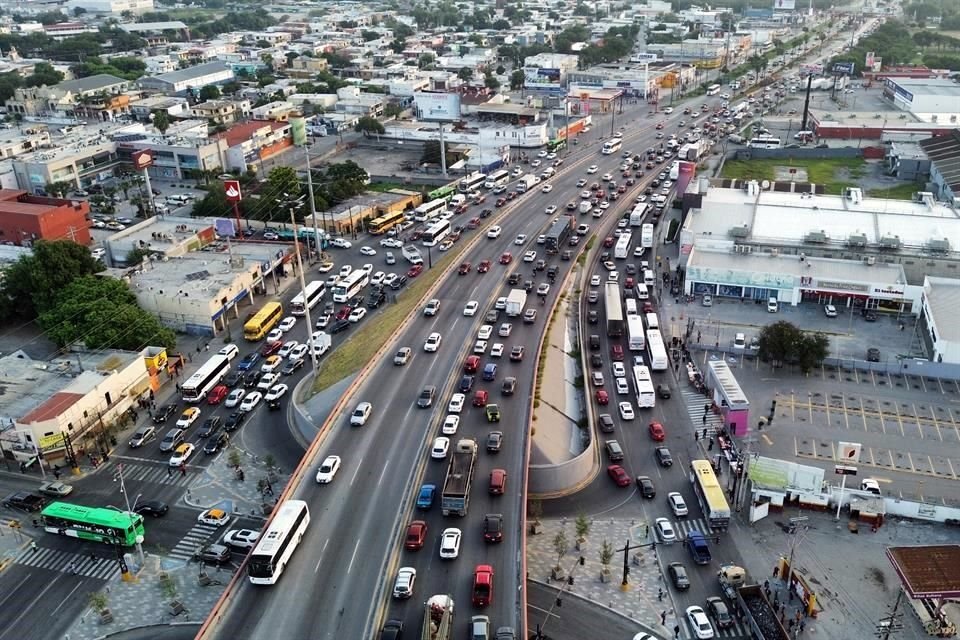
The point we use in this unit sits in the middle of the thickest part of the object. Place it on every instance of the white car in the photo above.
(357, 314)
(377, 278)
(275, 335)
(450, 543)
(267, 381)
(181, 454)
(520, 239)
(235, 397)
(496, 350)
(368, 251)
(593, 169)
(505, 329)
(450, 425)
(619, 371)
(547, 188)
(432, 342)
(440, 448)
(677, 504)
(552, 209)
(359, 416)
(665, 531)
(215, 517)
(613, 276)
(250, 401)
(241, 538)
(604, 205)
(595, 280)
(288, 348)
(470, 309)
(287, 323)
(368, 268)
(480, 347)
(325, 267)
(529, 256)
(606, 177)
(403, 585)
(390, 279)
(188, 417)
(230, 351)
(626, 410)
(668, 110)
(622, 387)
(494, 232)
(276, 392)
(699, 623)
(345, 270)
(585, 195)
(456, 403)
(486, 330)
(328, 469)
(298, 352)
(830, 311)
(341, 243)
(501, 303)
(391, 243)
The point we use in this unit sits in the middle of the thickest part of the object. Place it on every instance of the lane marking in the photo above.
(320, 559)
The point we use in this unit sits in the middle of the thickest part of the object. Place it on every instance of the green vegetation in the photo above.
(890, 41)
(903, 191)
(783, 342)
(383, 187)
(834, 173)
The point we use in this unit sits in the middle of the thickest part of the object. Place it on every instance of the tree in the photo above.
(501, 70)
(431, 153)
(397, 45)
(367, 125)
(32, 284)
(103, 314)
(58, 189)
(783, 342)
(426, 60)
(517, 78)
(43, 74)
(231, 87)
(490, 82)
(465, 74)
(392, 110)
(812, 349)
(560, 547)
(161, 121)
(369, 36)
(209, 92)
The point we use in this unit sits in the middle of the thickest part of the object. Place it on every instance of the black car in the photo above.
(645, 485)
(25, 501)
(164, 412)
(552, 271)
(233, 378)
(509, 386)
(338, 326)
(214, 554)
(718, 610)
(514, 279)
(251, 379)
(210, 427)
(631, 269)
(494, 441)
(593, 296)
(152, 508)
(399, 283)
(873, 354)
(606, 422)
(216, 443)
(291, 366)
(234, 421)
(392, 630)
(528, 285)
(566, 255)
(596, 361)
(678, 573)
(540, 265)
(493, 527)
(663, 391)
(663, 456)
(466, 384)
(376, 299)
(486, 213)
(593, 317)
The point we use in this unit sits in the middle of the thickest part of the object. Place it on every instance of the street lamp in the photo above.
(126, 498)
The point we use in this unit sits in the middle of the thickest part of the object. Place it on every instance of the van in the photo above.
(457, 200)
(179, 199)
(614, 452)
(642, 292)
(230, 351)
(652, 321)
(498, 482)
(772, 305)
(631, 306)
(648, 277)
(172, 440)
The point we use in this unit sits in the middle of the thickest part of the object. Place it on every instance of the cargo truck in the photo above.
(527, 182)
(437, 618)
(456, 486)
(731, 577)
(516, 301)
(759, 614)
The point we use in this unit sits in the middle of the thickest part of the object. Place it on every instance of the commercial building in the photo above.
(944, 155)
(938, 325)
(177, 82)
(933, 100)
(26, 218)
(548, 71)
(111, 6)
(865, 125)
(355, 213)
(65, 98)
(908, 161)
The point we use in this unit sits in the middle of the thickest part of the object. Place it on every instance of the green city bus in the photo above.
(110, 526)
(442, 192)
(557, 145)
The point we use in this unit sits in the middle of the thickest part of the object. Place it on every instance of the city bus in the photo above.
(197, 386)
(611, 146)
(764, 142)
(709, 494)
(713, 90)
(314, 293)
(657, 350)
(263, 321)
(350, 286)
(472, 182)
(622, 248)
(436, 233)
(497, 178)
(646, 394)
(559, 144)
(110, 526)
(275, 546)
(614, 310)
(442, 192)
(382, 224)
(430, 210)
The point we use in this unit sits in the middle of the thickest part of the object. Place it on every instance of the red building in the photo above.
(26, 218)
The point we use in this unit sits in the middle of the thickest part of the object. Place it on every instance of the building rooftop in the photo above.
(24, 203)
(929, 86)
(943, 299)
(183, 75)
(906, 150)
(368, 200)
(146, 27)
(944, 153)
(91, 83)
(244, 131)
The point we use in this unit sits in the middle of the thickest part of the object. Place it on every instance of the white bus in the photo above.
(713, 90)
(764, 142)
(646, 235)
(315, 291)
(622, 248)
(277, 544)
(435, 234)
(657, 351)
(611, 146)
(430, 210)
(472, 182)
(350, 286)
(646, 394)
(208, 376)
(497, 178)
(635, 336)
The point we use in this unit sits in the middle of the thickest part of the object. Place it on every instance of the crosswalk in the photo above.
(68, 562)
(683, 527)
(198, 535)
(738, 631)
(158, 473)
(695, 402)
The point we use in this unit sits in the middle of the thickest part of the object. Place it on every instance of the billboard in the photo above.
(542, 79)
(843, 67)
(142, 159)
(232, 189)
(869, 60)
(438, 106)
(784, 5)
(643, 58)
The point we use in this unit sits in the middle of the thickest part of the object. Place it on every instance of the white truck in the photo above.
(585, 206)
(527, 182)
(321, 342)
(516, 301)
(411, 254)
(646, 236)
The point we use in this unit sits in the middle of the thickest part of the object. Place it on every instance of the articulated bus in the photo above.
(110, 526)
(472, 182)
(442, 192)
(213, 371)
(263, 321)
(611, 146)
(382, 224)
(497, 178)
(709, 494)
(646, 394)
(315, 291)
(275, 547)
(657, 350)
(430, 210)
(350, 286)
(435, 234)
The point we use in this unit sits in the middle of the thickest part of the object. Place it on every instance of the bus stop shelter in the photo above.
(728, 397)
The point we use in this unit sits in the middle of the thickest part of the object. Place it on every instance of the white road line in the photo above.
(320, 559)
(356, 471)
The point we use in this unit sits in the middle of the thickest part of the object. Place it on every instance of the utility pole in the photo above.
(558, 601)
(627, 548)
(303, 289)
(890, 624)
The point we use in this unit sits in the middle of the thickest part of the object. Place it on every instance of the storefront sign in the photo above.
(842, 286)
(891, 292)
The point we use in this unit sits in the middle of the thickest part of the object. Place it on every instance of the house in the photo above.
(64, 98)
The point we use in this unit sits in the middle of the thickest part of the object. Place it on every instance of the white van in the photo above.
(631, 306)
(652, 321)
(772, 305)
(648, 277)
(179, 199)
(457, 200)
(642, 292)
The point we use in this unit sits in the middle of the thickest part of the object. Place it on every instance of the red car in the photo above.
(506, 258)
(415, 270)
(217, 394)
(416, 535)
(474, 223)
(625, 174)
(464, 268)
(270, 348)
(602, 397)
(480, 199)
(512, 195)
(484, 266)
(472, 364)
(480, 398)
(628, 284)
(616, 352)
(500, 202)
(483, 584)
(648, 307)
(623, 188)
(343, 313)
(619, 475)
(608, 242)
(656, 432)
(659, 125)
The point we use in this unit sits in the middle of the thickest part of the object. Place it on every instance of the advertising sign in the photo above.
(232, 189)
(848, 452)
(870, 57)
(843, 67)
(784, 5)
(142, 159)
(438, 107)
(643, 58)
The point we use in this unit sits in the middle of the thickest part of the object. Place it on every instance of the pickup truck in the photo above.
(24, 501)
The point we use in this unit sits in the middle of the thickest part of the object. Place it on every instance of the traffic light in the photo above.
(559, 603)
(570, 580)
(583, 561)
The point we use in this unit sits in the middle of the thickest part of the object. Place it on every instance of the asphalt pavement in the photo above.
(574, 618)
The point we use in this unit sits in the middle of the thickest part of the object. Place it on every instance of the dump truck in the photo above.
(731, 576)
(456, 486)
(759, 614)
(437, 618)
(516, 300)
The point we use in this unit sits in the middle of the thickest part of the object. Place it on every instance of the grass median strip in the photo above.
(361, 345)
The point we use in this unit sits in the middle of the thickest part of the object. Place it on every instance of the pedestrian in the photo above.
(706, 408)
(704, 418)
(776, 571)
(663, 617)
(676, 631)
(766, 585)
(169, 471)
(710, 445)
(183, 471)
(199, 348)
(93, 558)
(33, 545)
(790, 624)
(56, 474)
(660, 594)
(803, 623)
(799, 615)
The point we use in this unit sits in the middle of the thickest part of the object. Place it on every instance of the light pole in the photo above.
(126, 499)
